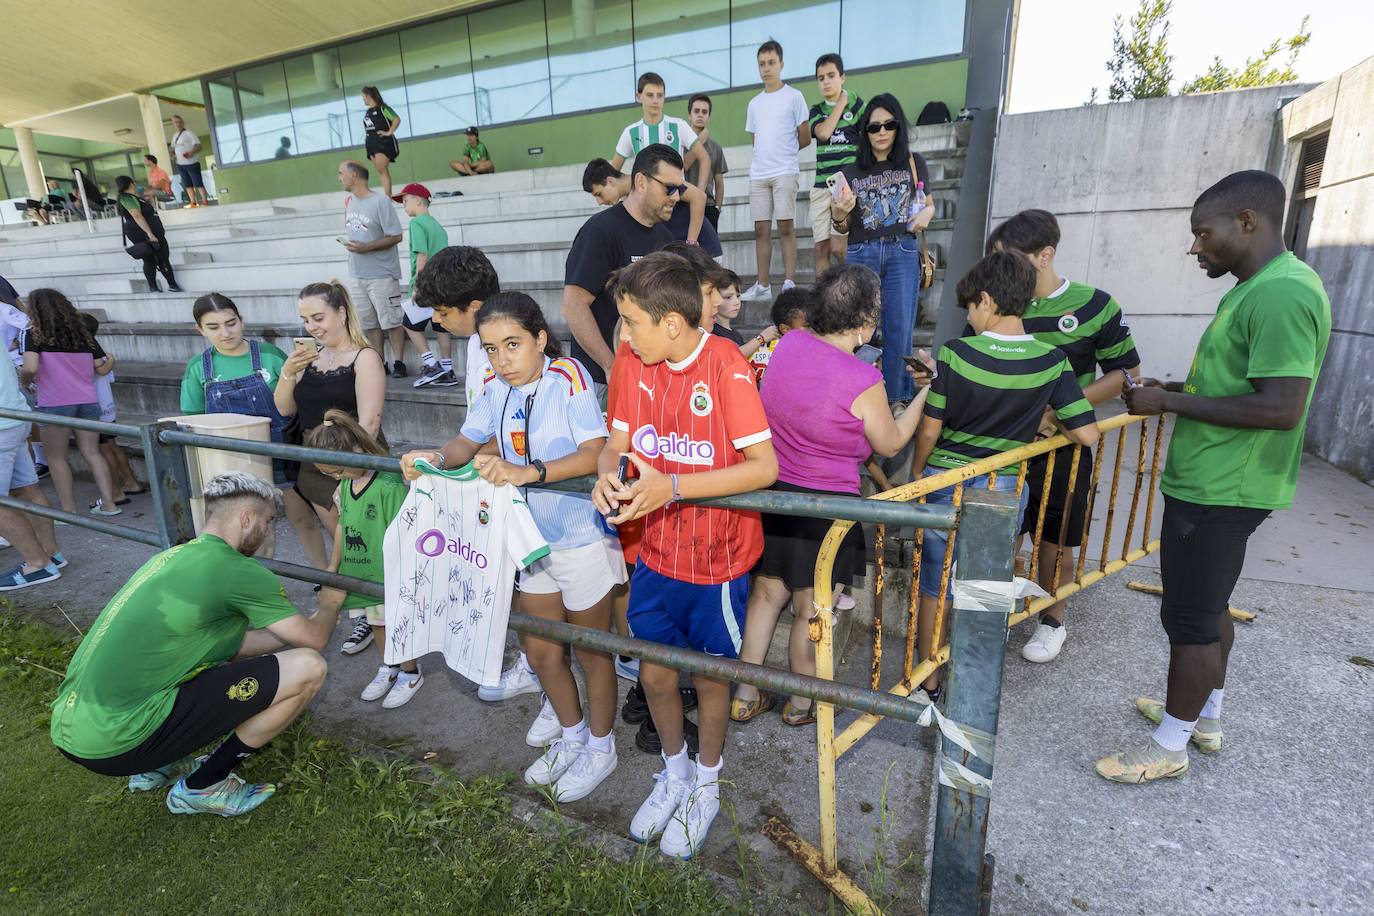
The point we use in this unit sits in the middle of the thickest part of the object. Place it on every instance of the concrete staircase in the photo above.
(262, 253)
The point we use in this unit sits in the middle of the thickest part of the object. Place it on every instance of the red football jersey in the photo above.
(690, 418)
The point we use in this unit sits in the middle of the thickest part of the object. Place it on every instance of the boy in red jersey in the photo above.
(691, 421)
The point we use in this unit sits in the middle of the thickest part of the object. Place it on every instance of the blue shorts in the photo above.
(935, 541)
(74, 411)
(707, 618)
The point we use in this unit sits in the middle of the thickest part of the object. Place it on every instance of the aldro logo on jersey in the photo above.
(673, 447)
(434, 542)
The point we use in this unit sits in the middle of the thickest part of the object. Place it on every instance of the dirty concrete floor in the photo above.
(1277, 823)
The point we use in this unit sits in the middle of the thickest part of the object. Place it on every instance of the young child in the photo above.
(989, 394)
(728, 312)
(427, 238)
(366, 502)
(126, 485)
(787, 314)
(691, 422)
(655, 127)
(834, 123)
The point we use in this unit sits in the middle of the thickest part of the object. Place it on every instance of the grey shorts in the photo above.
(378, 303)
(16, 462)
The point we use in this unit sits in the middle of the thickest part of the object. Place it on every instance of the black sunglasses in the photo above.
(678, 189)
(878, 126)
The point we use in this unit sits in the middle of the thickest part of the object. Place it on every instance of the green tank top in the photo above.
(363, 520)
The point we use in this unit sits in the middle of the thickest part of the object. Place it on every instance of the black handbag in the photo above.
(139, 251)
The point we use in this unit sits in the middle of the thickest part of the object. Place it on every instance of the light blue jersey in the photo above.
(547, 419)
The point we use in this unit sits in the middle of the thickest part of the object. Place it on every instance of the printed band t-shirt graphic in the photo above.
(688, 418)
(451, 558)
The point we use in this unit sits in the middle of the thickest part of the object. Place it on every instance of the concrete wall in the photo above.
(1122, 179)
(1340, 247)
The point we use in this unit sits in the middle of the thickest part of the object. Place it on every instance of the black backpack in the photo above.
(934, 113)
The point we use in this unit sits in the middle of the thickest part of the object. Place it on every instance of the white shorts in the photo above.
(773, 198)
(820, 214)
(16, 463)
(377, 300)
(583, 574)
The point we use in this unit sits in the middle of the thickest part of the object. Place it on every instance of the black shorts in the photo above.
(387, 146)
(1059, 495)
(1201, 552)
(208, 706)
(791, 543)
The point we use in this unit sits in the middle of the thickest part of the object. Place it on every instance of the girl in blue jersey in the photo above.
(543, 413)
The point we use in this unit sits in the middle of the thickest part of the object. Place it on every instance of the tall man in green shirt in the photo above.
(427, 238)
(1234, 456)
(200, 643)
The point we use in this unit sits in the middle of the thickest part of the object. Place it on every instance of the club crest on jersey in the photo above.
(672, 447)
(668, 137)
(517, 441)
(484, 512)
(701, 399)
(1068, 323)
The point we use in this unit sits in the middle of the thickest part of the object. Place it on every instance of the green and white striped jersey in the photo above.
(673, 132)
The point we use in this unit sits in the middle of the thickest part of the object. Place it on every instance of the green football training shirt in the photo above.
(227, 368)
(1274, 325)
(184, 611)
(364, 519)
(427, 235)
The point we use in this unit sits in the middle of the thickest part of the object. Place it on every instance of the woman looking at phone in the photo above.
(876, 206)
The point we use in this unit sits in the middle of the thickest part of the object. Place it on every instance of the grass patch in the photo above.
(344, 833)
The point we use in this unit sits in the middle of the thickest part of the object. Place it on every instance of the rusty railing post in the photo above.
(170, 483)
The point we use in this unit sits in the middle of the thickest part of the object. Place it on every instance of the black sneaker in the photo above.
(428, 376)
(41, 470)
(358, 640)
(648, 741)
(636, 708)
(398, 369)
(446, 379)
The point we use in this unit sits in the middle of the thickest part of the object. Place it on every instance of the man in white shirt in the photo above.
(777, 120)
(186, 154)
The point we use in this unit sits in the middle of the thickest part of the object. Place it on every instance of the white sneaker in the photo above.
(552, 764)
(627, 668)
(788, 284)
(379, 685)
(545, 726)
(653, 816)
(686, 832)
(587, 772)
(517, 679)
(757, 292)
(407, 685)
(1044, 646)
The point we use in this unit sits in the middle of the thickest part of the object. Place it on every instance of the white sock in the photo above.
(427, 358)
(1213, 708)
(525, 663)
(1172, 734)
(38, 456)
(707, 776)
(679, 765)
(603, 744)
(446, 365)
(577, 734)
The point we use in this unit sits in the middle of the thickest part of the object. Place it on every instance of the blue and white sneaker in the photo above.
(164, 776)
(627, 668)
(16, 578)
(59, 560)
(228, 797)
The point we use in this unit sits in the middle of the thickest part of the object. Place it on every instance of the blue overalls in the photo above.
(248, 395)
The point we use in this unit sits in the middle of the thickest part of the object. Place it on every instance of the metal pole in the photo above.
(170, 483)
(85, 201)
(978, 638)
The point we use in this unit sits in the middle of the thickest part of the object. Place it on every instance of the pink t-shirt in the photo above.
(65, 378)
(807, 392)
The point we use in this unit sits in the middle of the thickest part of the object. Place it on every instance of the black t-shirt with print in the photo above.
(884, 194)
(610, 240)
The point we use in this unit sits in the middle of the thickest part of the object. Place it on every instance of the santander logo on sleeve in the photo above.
(672, 447)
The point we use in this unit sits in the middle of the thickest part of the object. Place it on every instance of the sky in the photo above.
(1062, 46)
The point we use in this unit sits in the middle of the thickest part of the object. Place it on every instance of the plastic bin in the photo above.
(204, 464)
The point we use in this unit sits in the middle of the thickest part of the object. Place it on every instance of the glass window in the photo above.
(12, 174)
(266, 111)
(318, 112)
(931, 28)
(438, 65)
(591, 54)
(511, 65)
(805, 29)
(228, 143)
(373, 62)
(686, 44)
(105, 169)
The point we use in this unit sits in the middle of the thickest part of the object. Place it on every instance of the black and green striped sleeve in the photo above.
(1070, 406)
(939, 385)
(1113, 346)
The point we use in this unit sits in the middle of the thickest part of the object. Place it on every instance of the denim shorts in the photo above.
(74, 411)
(16, 463)
(935, 541)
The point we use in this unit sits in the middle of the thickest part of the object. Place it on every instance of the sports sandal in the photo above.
(796, 716)
(744, 710)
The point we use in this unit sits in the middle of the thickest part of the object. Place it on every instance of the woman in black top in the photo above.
(381, 124)
(340, 371)
(880, 210)
(141, 224)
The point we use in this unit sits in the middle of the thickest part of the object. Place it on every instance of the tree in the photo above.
(1257, 71)
(1142, 67)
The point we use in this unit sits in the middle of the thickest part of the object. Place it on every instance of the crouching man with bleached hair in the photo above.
(200, 644)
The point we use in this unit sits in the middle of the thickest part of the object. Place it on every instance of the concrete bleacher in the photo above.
(261, 253)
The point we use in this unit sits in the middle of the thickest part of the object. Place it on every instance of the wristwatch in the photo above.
(543, 471)
(441, 463)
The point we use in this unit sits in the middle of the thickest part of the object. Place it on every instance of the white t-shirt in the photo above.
(182, 144)
(451, 556)
(773, 119)
(13, 323)
(478, 371)
(104, 396)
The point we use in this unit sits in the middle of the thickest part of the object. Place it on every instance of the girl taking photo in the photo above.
(542, 411)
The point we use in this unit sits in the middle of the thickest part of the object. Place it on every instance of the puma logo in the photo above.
(742, 377)
(647, 389)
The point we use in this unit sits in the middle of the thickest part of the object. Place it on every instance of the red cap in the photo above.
(418, 190)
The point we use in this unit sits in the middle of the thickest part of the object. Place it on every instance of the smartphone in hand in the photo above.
(305, 343)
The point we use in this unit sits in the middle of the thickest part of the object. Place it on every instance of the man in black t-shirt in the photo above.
(611, 240)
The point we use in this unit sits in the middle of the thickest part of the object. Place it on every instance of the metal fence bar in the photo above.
(1111, 502)
(83, 521)
(50, 419)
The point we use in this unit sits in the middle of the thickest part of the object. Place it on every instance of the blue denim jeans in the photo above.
(935, 541)
(896, 261)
